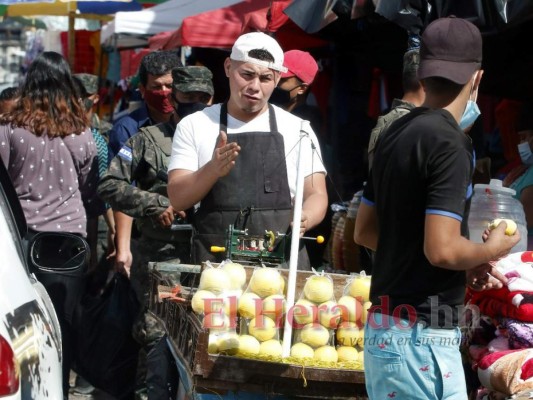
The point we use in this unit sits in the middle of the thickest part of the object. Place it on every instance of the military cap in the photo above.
(411, 60)
(193, 79)
(89, 81)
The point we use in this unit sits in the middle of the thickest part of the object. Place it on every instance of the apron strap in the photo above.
(223, 120)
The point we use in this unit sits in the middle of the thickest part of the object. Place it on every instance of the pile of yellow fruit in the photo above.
(325, 330)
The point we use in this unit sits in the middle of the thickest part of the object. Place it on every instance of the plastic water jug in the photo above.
(496, 201)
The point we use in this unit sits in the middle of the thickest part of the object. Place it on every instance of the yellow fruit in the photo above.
(326, 354)
(366, 307)
(212, 346)
(265, 282)
(270, 348)
(302, 351)
(329, 314)
(347, 334)
(347, 353)
(249, 305)
(274, 306)
(362, 358)
(360, 288)
(262, 328)
(228, 343)
(217, 323)
(314, 335)
(511, 225)
(282, 284)
(304, 312)
(350, 308)
(231, 306)
(318, 288)
(248, 345)
(215, 280)
(236, 274)
(203, 299)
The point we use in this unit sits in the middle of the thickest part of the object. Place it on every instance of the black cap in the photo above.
(450, 48)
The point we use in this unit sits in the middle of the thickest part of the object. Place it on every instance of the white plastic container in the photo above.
(495, 201)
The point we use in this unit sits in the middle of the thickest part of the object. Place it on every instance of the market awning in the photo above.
(218, 28)
(167, 16)
(61, 7)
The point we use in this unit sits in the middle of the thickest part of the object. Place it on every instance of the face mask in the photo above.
(525, 153)
(471, 111)
(470, 115)
(184, 109)
(159, 100)
(281, 97)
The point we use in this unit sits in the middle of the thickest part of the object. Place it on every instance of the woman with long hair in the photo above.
(50, 155)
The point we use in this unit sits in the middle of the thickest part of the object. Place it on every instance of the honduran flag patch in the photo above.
(125, 153)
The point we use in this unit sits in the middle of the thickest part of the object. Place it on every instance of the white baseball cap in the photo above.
(258, 41)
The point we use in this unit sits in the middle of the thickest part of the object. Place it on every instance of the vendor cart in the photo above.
(203, 373)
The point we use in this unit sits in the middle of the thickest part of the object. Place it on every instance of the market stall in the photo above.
(206, 370)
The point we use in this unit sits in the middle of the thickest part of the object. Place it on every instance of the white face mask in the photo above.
(471, 112)
(470, 115)
(525, 153)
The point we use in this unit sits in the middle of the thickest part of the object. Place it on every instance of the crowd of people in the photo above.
(172, 175)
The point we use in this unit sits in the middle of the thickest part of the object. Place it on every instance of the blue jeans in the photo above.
(404, 362)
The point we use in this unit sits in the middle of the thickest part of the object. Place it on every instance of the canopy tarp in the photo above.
(163, 17)
(60, 7)
(218, 28)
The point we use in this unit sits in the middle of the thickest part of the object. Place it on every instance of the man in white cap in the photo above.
(237, 161)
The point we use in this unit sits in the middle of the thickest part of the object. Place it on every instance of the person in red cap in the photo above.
(291, 94)
(294, 85)
(414, 214)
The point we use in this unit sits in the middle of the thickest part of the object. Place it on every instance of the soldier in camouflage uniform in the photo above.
(87, 86)
(90, 84)
(144, 159)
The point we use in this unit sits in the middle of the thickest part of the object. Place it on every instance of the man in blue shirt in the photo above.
(155, 87)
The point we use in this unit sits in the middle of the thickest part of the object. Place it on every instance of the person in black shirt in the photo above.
(414, 214)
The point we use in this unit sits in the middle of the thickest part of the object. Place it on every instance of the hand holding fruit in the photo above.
(499, 237)
(510, 225)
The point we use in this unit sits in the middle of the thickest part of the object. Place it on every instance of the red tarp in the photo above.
(220, 28)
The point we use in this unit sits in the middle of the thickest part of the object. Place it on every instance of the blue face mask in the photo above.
(525, 153)
(470, 115)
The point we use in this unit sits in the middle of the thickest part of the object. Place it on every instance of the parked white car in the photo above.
(30, 339)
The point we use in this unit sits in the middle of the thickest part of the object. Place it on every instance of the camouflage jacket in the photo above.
(399, 109)
(144, 160)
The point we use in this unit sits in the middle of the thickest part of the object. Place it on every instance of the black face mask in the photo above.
(280, 97)
(184, 109)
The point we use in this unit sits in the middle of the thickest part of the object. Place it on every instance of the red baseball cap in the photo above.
(300, 64)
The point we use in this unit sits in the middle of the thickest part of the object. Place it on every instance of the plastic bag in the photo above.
(261, 310)
(105, 351)
(355, 304)
(315, 317)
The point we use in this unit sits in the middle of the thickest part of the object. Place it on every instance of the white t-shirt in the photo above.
(197, 134)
